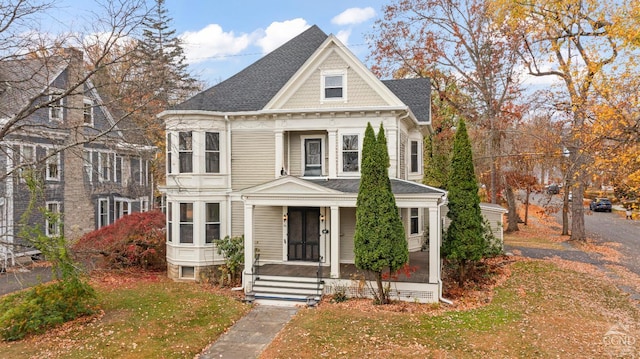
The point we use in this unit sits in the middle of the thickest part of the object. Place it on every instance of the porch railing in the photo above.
(319, 276)
(254, 269)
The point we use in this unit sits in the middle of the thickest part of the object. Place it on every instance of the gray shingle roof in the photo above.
(351, 185)
(415, 93)
(252, 88)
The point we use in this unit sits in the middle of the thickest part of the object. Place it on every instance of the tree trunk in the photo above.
(382, 296)
(512, 216)
(526, 206)
(577, 212)
(565, 210)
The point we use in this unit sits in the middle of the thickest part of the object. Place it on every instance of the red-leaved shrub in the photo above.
(136, 240)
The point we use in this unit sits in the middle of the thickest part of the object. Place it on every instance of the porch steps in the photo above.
(294, 290)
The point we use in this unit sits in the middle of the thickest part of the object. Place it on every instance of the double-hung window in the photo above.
(350, 153)
(169, 149)
(106, 166)
(186, 222)
(87, 163)
(27, 159)
(52, 219)
(53, 165)
(56, 106)
(103, 212)
(333, 85)
(87, 111)
(415, 221)
(212, 152)
(415, 155)
(212, 222)
(185, 151)
(117, 176)
(169, 221)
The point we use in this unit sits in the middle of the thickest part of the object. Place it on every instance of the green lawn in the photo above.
(541, 311)
(144, 317)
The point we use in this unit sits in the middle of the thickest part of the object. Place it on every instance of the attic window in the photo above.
(55, 108)
(88, 111)
(333, 85)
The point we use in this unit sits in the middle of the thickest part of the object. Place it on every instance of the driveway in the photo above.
(21, 278)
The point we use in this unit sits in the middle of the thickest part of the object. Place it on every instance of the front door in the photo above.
(304, 234)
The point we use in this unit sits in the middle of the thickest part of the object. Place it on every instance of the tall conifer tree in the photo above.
(464, 243)
(380, 241)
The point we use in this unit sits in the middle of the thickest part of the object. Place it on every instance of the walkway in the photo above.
(251, 334)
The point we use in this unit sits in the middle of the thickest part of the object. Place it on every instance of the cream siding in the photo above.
(403, 156)
(347, 231)
(359, 93)
(237, 218)
(267, 232)
(252, 158)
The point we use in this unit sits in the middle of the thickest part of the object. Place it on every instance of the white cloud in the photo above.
(354, 16)
(343, 36)
(278, 33)
(211, 42)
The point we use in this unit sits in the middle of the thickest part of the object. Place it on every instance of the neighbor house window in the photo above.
(87, 111)
(122, 208)
(87, 163)
(144, 204)
(169, 221)
(185, 152)
(212, 152)
(350, 153)
(169, 153)
(415, 220)
(333, 86)
(414, 156)
(52, 219)
(212, 222)
(53, 166)
(106, 166)
(313, 157)
(103, 212)
(186, 222)
(55, 108)
(117, 177)
(27, 159)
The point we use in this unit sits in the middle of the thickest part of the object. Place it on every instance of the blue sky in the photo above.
(221, 37)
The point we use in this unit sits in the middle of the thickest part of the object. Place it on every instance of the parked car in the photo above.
(600, 205)
(553, 189)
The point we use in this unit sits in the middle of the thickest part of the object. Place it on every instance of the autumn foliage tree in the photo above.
(577, 42)
(456, 44)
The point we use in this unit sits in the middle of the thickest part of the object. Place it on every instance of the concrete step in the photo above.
(298, 290)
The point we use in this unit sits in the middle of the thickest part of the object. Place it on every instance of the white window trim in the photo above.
(411, 140)
(419, 218)
(101, 177)
(46, 220)
(58, 104)
(51, 158)
(144, 204)
(194, 207)
(219, 222)
(304, 158)
(88, 101)
(26, 164)
(341, 171)
(328, 73)
(100, 224)
(191, 151)
(205, 151)
(120, 207)
(170, 220)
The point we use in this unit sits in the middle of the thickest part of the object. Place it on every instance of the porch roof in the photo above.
(352, 185)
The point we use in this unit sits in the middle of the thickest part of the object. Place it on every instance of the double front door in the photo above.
(304, 234)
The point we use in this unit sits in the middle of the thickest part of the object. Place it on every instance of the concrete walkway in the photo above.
(251, 334)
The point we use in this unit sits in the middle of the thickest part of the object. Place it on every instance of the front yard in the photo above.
(537, 309)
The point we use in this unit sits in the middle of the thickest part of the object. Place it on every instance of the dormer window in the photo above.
(334, 85)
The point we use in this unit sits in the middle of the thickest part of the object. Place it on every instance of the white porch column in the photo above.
(279, 165)
(335, 242)
(333, 154)
(434, 244)
(248, 248)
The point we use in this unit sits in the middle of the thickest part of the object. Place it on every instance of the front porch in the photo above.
(348, 271)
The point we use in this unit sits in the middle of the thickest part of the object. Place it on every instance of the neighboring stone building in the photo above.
(94, 168)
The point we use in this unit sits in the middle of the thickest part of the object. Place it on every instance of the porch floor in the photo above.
(417, 260)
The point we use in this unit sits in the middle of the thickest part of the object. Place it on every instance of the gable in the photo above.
(288, 185)
(361, 88)
(359, 93)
